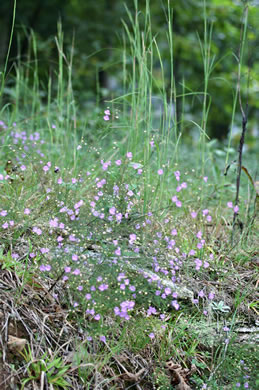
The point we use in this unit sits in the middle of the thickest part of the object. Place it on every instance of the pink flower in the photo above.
(53, 223)
(44, 250)
(132, 237)
(199, 235)
(37, 230)
(78, 204)
(151, 310)
(74, 257)
(167, 291)
(177, 175)
(175, 304)
(230, 205)
(112, 210)
(198, 263)
(103, 287)
(236, 209)
(160, 172)
(118, 251)
(115, 190)
(211, 295)
(46, 267)
(105, 166)
(106, 117)
(118, 217)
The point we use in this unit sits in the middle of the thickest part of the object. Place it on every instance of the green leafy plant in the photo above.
(220, 307)
(53, 369)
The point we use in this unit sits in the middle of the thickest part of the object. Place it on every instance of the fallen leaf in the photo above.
(15, 344)
(180, 375)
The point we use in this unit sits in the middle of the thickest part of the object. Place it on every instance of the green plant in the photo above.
(53, 369)
(161, 379)
(220, 307)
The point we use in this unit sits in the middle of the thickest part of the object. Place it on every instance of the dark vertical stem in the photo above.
(244, 117)
(240, 155)
(239, 166)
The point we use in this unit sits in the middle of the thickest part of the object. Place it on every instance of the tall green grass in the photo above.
(140, 82)
(43, 105)
(140, 59)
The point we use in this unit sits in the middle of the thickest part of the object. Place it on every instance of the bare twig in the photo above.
(244, 120)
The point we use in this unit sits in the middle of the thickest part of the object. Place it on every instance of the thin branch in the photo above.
(244, 119)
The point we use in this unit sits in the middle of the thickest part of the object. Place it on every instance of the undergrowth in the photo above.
(117, 268)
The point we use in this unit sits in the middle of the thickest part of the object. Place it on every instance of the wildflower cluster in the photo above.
(112, 257)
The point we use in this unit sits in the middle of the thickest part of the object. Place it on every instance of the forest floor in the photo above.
(100, 291)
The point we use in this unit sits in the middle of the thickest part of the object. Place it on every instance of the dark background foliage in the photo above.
(97, 28)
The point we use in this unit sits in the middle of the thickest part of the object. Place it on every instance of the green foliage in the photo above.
(53, 369)
(99, 46)
(104, 229)
(220, 306)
